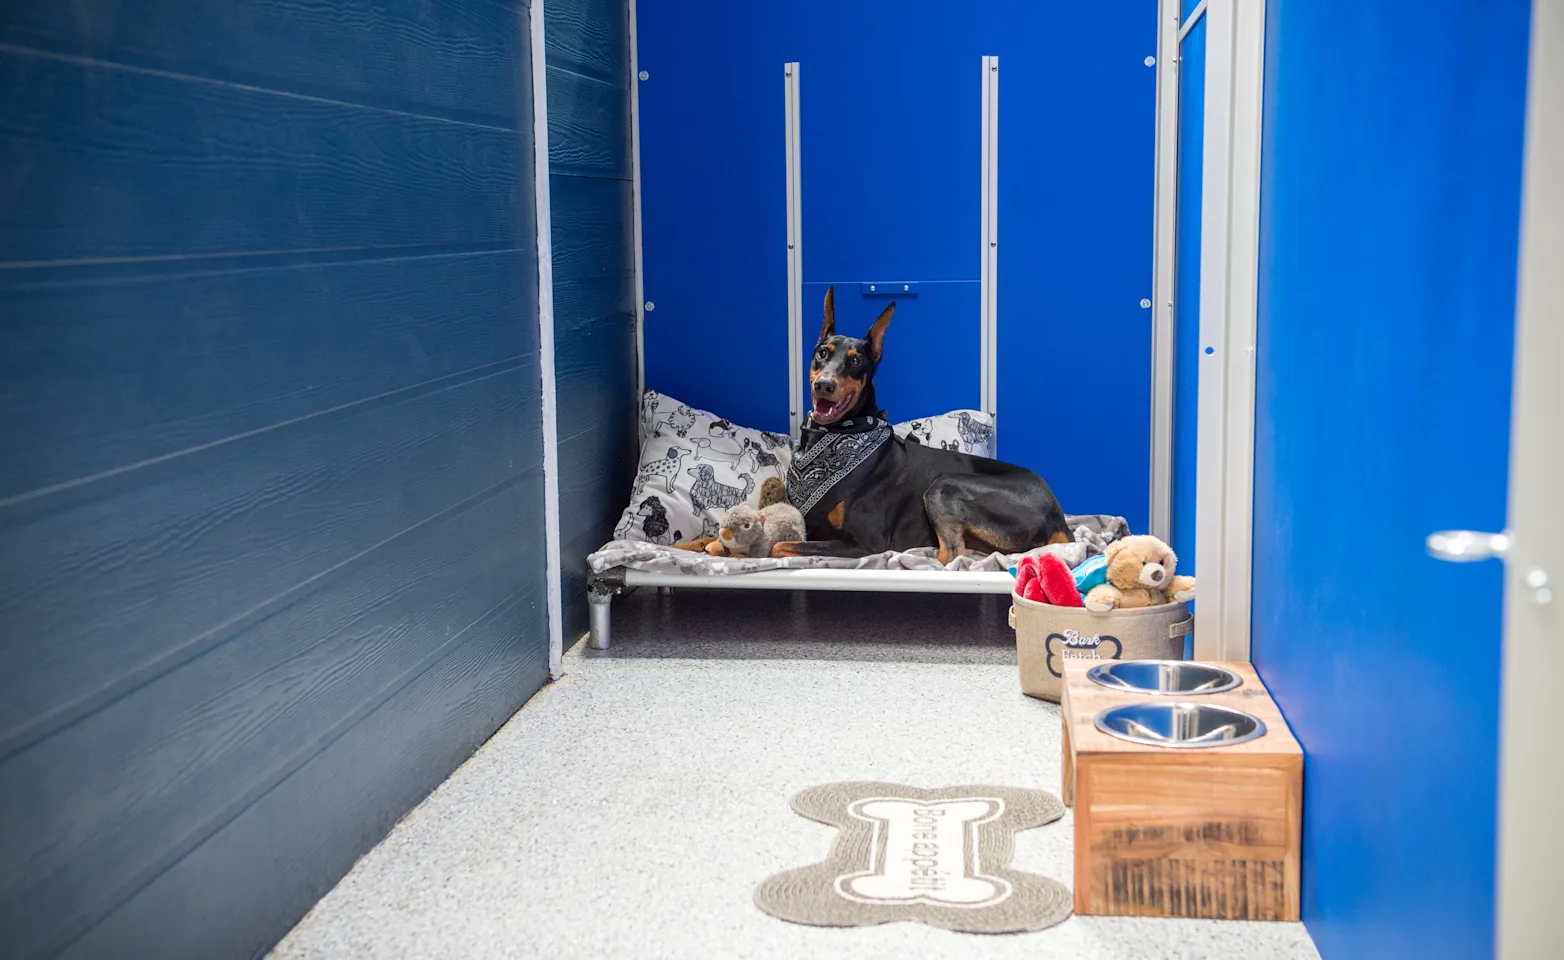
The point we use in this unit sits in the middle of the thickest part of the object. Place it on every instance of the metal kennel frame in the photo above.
(603, 587)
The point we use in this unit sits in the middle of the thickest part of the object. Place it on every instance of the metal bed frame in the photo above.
(603, 587)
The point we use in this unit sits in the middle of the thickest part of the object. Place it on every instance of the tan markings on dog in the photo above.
(837, 516)
(788, 548)
(1060, 537)
(695, 546)
(989, 540)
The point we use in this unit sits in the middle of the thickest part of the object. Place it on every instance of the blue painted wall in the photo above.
(891, 99)
(270, 495)
(591, 206)
(1390, 199)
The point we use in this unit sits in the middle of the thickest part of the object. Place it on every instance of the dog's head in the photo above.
(841, 375)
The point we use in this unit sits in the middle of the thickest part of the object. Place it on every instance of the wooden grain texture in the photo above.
(594, 364)
(588, 126)
(271, 499)
(589, 37)
(98, 816)
(126, 577)
(1211, 833)
(361, 51)
(594, 279)
(593, 233)
(596, 472)
(181, 168)
(238, 892)
(75, 374)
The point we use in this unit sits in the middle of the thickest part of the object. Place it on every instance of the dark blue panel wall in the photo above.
(270, 480)
(1390, 211)
(591, 204)
(891, 149)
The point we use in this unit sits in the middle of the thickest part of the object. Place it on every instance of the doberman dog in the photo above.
(904, 495)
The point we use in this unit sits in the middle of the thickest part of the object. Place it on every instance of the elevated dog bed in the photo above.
(694, 466)
(629, 563)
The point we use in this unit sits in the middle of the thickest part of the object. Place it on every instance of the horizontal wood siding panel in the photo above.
(589, 37)
(239, 891)
(106, 805)
(104, 163)
(594, 363)
(123, 578)
(271, 497)
(593, 232)
(362, 51)
(596, 471)
(77, 376)
(594, 279)
(588, 126)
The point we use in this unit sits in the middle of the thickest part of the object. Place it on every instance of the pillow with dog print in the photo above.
(968, 431)
(695, 467)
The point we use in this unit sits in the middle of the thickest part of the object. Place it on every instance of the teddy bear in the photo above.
(1141, 573)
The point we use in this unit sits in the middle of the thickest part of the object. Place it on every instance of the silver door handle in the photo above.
(1465, 546)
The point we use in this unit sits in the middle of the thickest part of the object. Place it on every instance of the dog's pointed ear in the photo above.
(876, 336)
(828, 329)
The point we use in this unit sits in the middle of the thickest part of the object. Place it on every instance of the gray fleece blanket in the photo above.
(1091, 533)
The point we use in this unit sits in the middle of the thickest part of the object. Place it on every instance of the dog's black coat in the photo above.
(906, 494)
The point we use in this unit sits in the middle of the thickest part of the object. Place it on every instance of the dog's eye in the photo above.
(822, 354)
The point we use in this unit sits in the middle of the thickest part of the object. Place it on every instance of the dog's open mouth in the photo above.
(830, 411)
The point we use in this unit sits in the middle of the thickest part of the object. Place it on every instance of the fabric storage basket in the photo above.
(1047, 635)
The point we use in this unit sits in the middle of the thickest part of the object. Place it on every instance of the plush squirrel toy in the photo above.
(1141, 573)
(751, 532)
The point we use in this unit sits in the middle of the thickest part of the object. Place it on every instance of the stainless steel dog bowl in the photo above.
(1179, 724)
(1164, 677)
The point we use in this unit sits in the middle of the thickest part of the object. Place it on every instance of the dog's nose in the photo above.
(825, 388)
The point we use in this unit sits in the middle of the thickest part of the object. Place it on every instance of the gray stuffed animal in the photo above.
(751, 532)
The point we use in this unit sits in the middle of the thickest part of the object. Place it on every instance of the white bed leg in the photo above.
(600, 606)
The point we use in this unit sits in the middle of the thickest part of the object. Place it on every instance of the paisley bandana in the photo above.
(830, 457)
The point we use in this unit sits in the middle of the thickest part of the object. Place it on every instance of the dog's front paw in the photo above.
(716, 549)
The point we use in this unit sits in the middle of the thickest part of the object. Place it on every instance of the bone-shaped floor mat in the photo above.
(940, 857)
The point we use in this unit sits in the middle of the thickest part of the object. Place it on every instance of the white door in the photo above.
(1530, 921)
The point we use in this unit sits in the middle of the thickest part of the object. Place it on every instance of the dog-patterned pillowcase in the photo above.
(969, 431)
(694, 467)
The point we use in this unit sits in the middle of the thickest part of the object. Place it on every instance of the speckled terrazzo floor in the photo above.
(630, 808)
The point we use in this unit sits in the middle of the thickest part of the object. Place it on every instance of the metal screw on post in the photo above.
(650, 306)
(645, 75)
(1541, 586)
(1151, 61)
(1145, 304)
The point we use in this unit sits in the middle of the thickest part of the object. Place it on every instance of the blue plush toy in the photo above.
(1091, 573)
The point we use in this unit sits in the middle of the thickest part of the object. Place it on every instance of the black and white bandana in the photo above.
(830, 457)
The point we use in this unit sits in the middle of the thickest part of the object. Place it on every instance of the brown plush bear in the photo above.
(1140, 574)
